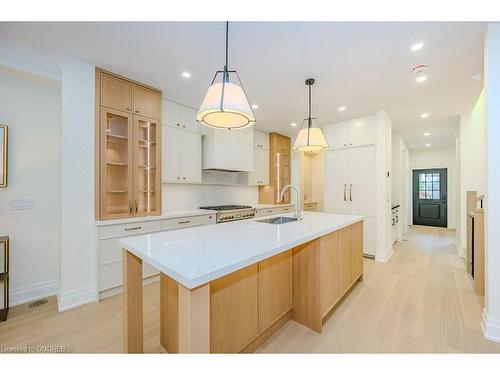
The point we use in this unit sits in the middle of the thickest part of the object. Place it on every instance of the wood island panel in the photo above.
(275, 289)
(132, 303)
(357, 250)
(330, 266)
(306, 285)
(234, 314)
(345, 259)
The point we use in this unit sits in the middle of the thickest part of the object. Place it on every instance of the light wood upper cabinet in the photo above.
(275, 289)
(116, 132)
(147, 102)
(116, 93)
(147, 183)
(128, 147)
(279, 170)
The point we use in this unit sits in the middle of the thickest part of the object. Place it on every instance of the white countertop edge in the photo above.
(199, 281)
(173, 215)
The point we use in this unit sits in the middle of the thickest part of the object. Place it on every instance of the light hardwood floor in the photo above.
(420, 301)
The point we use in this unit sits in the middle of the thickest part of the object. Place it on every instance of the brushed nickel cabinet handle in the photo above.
(130, 207)
(350, 192)
(183, 178)
(128, 108)
(136, 206)
(345, 187)
(269, 211)
(136, 111)
(185, 222)
(178, 124)
(133, 228)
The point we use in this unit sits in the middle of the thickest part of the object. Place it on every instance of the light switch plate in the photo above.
(21, 204)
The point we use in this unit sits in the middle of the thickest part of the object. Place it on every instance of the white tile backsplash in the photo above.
(180, 197)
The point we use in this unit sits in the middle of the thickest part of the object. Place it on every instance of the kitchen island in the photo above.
(225, 288)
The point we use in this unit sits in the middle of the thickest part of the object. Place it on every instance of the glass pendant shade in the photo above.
(226, 106)
(310, 139)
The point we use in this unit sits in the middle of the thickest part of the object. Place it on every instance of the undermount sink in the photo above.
(278, 220)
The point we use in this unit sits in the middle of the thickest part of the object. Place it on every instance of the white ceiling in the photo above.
(362, 65)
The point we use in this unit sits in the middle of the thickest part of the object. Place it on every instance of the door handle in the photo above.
(350, 192)
(345, 187)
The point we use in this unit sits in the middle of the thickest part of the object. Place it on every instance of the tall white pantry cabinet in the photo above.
(350, 173)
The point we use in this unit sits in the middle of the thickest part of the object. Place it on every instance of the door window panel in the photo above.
(429, 186)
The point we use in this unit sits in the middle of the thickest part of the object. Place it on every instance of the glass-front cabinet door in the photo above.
(147, 165)
(116, 161)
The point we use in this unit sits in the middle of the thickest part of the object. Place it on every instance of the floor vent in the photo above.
(40, 302)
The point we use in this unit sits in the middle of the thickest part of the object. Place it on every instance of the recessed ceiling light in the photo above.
(255, 106)
(420, 78)
(417, 46)
(186, 74)
(427, 133)
(341, 109)
(293, 124)
(424, 115)
(427, 145)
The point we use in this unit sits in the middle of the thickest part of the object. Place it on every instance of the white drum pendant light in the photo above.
(226, 104)
(310, 137)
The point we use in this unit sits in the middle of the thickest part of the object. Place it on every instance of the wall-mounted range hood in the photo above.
(228, 150)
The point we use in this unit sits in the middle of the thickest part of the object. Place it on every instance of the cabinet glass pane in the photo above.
(146, 167)
(116, 161)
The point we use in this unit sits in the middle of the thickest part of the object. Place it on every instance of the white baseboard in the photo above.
(491, 327)
(383, 256)
(33, 292)
(76, 297)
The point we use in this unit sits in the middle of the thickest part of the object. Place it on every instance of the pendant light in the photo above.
(226, 104)
(310, 138)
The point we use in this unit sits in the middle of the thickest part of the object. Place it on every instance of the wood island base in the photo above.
(240, 311)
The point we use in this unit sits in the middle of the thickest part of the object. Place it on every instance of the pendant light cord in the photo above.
(309, 120)
(226, 74)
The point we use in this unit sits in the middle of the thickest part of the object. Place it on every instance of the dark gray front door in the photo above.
(430, 197)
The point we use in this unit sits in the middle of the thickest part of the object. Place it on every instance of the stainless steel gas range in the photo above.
(231, 212)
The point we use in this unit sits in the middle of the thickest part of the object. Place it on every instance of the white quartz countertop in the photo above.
(196, 256)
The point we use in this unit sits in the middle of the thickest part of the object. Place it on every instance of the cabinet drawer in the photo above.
(283, 210)
(310, 206)
(266, 212)
(185, 222)
(121, 230)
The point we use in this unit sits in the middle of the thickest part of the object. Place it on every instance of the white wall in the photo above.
(78, 279)
(399, 180)
(30, 107)
(383, 156)
(491, 313)
(439, 158)
(472, 159)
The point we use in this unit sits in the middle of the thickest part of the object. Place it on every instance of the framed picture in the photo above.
(4, 136)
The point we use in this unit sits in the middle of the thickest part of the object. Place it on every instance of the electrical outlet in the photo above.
(21, 204)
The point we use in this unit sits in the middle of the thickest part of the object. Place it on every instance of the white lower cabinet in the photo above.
(181, 155)
(110, 251)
